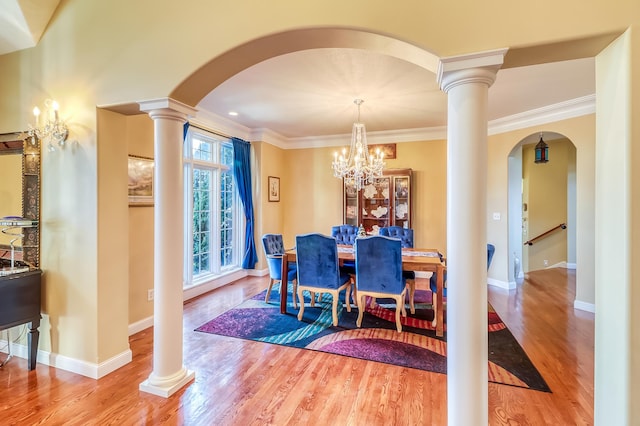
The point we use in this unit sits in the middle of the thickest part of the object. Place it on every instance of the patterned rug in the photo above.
(416, 347)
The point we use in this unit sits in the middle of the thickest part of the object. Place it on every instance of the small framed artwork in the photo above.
(140, 181)
(388, 149)
(274, 188)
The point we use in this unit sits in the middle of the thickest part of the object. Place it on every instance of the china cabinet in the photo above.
(385, 202)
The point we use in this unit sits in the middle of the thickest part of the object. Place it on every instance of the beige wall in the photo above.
(546, 196)
(10, 191)
(113, 284)
(269, 215)
(314, 197)
(617, 373)
(139, 141)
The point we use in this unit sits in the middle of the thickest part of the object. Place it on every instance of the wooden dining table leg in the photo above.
(284, 283)
(439, 301)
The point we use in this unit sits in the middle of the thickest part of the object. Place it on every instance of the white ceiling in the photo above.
(310, 93)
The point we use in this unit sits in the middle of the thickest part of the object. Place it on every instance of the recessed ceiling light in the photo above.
(233, 113)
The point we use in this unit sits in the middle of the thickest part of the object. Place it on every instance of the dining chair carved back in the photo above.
(273, 246)
(379, 273)
(319, 271)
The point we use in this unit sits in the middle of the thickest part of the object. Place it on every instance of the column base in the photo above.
(167, 387)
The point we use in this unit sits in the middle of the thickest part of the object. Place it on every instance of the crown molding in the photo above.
(548, 114)
(220, 125)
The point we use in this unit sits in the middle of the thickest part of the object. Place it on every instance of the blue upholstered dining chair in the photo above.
(319, 271)
(273, 250)
(346, 235)
(379, 273)
(491, 249)
(405, 235)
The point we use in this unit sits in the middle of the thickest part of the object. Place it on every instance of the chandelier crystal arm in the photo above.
(359, 167)
(50, 127)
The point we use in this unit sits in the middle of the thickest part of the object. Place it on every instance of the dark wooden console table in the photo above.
(20, 298)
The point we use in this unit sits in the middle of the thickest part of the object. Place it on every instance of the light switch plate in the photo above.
(496, 216)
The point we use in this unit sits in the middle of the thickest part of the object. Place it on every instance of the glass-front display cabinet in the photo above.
(385, 202)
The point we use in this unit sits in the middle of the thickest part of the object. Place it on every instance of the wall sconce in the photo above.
(542, 151)
(49, 126)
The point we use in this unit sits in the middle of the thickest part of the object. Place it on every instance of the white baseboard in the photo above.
(571, 266)
(84, 368)
(507, 285)
(138, 326)
(258, 272)
(584, 306)
(202, 288)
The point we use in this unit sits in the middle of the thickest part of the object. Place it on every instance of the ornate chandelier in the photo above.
(359, 167)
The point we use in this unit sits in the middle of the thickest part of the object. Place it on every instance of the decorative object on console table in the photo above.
(274, 188)
(140, 181)
(14, 227)
(385, 202)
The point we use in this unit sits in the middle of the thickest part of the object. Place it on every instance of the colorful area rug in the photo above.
(416, 347)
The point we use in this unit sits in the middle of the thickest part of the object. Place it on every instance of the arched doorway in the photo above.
(542, 205)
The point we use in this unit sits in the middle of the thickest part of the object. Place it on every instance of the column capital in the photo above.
(480, 67)
(167, 108)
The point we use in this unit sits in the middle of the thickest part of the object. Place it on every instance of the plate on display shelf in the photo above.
(379, 212)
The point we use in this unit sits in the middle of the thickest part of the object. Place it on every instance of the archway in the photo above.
(542, 204)
(218, 69)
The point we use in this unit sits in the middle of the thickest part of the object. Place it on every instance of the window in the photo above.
(214, 223)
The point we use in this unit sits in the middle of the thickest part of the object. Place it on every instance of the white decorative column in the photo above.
(466, 80)
(168, 373)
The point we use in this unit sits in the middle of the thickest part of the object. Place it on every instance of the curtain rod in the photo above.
(209, 130)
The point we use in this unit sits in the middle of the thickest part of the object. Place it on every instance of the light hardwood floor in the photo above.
(241, 382)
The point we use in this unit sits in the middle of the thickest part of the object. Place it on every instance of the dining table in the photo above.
(413, 259)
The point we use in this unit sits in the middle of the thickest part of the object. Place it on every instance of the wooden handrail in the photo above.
(544, 234)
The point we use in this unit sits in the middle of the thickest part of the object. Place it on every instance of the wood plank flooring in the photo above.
(250, 383)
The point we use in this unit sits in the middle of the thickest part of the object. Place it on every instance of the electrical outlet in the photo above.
(150, 294)
(546, 262)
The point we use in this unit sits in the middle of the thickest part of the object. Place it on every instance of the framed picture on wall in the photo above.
(274, 188)
(140, 181)
(388, 149)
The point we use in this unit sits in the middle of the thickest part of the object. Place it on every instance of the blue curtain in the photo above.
(242, 174)
(184, 131)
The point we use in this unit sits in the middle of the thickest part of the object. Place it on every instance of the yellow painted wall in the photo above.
(545, 193)
(270, 215)
(139, 141)
(314, 197)
(10, 191)
(113, 254)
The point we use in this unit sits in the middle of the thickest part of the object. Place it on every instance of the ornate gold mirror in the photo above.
(20, 196)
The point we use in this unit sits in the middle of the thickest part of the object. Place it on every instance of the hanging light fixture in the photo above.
(358, 167)
(542, 151)
(50, 127)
